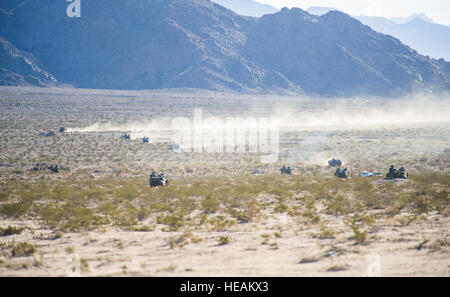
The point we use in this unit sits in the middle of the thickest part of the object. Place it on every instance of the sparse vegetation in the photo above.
(10, 230)
(123, 202)
(360, 237)
(223, 240)
(17, 249)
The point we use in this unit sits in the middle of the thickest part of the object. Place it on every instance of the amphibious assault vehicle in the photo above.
(397, 173)
(158, 180)
(341, 173)
(335, 163)
(286, 170)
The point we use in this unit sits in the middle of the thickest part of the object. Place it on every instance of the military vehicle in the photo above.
(54, 168)
(145, 140)
(341, 173)
(39, 166)
(158, 180)
(62, 129)
(366, 174)
(396, 173)
(335, 163)
(370, 174)
(126, 136)
(286, 170)
(49, 134)
(174, 146)
(42, 166)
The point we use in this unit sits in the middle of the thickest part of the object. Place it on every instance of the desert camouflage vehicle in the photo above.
(335, 163)
(286, 170)
(396, 173)
(341, 173)
(157, 180)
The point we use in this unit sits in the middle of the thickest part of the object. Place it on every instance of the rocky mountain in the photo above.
(417, 31)
(318, 10)
(247, 7)
(150, 44)
(427, 37)
(18, 68)
(335, 54)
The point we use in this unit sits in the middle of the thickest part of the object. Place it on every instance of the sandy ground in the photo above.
(295, 253)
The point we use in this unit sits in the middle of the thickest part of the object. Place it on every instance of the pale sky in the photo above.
(438, 10)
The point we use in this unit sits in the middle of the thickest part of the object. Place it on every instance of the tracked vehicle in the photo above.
(397, 173)
(341, 173)
(156, 180)
(286, 170)
(335, 163)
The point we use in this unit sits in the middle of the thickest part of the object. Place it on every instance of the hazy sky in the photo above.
(438, 10)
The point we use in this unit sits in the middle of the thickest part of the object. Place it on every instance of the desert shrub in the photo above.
(281, 208)
(359, 236)
(241, 215)
(223, 240)
(18, 249)
(362, 185)
(431, 178)
(441, 200)
(174, 221)
(210, 204)
(10, 230)
(220, 223)
(15, 210)
(419, 203)
(324, 233)
(70, 217)
(340, 205)
(178, 241)
(3, 196)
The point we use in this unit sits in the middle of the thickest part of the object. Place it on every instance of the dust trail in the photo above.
(366, 114)
(317, 114)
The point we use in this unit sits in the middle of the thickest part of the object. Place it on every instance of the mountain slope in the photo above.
(18, 68)
(149, 44)
(337, 55)
(140, 44)
(247, 7)
(426, 37)
(417, 31)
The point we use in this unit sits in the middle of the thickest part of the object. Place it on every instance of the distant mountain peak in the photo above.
(247, 7)
(317, 10)
(420, 16)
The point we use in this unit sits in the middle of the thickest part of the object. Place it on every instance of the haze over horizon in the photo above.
(438, 10)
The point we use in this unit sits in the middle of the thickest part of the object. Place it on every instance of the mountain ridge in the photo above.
(417, 31)
(20, 68)
(151, 44)
(247, 7)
